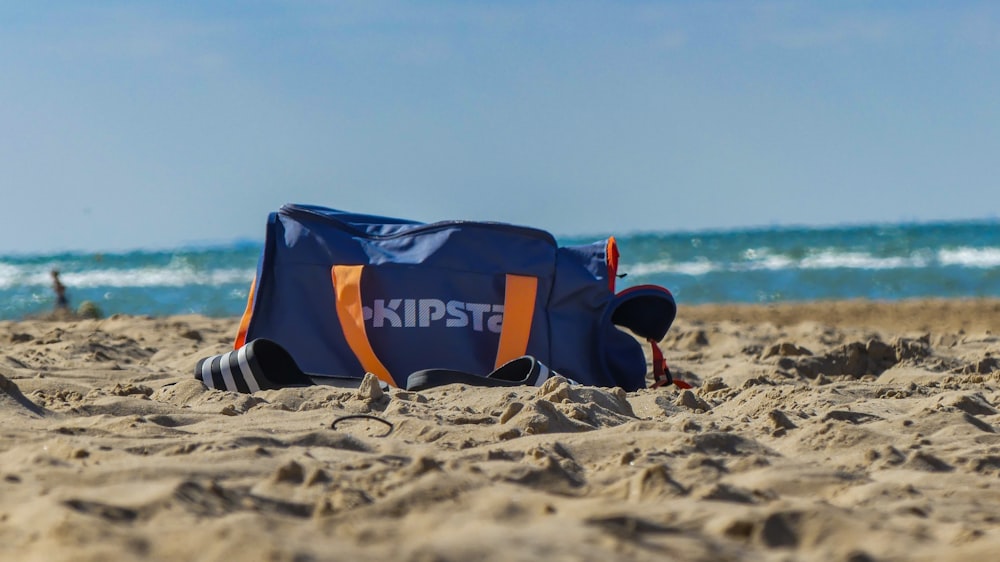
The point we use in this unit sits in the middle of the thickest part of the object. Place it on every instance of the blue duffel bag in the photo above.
(347, 294)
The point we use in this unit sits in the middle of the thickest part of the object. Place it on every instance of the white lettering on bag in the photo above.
(425, 313)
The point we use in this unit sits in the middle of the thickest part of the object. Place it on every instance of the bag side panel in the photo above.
(586, 319)
(648, 312)
(580, 294)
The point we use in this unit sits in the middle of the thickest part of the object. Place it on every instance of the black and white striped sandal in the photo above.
(261, 364)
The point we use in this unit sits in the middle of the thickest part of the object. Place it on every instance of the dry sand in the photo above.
(826, 431)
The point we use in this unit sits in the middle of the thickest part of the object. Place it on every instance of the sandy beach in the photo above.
(846, 431)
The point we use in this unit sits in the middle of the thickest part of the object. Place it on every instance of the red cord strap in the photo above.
(661, 371)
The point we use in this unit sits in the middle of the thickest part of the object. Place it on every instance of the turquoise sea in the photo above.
(887, 262)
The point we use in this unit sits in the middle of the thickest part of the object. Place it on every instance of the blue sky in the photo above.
(150, 124)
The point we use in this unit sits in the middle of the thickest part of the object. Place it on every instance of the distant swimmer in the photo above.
(62, 303)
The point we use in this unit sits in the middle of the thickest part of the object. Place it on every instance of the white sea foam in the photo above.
(762, 260)
(774, 263)
(830, 259)
(970, 257)
(697, 267)
(9, 275)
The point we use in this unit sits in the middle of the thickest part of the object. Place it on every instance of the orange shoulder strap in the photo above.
(347, 288)
(241, 333)
(518, 313)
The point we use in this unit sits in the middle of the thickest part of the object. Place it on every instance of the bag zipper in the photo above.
(292, 209)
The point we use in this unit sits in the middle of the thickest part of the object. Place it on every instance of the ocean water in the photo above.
(886, 262)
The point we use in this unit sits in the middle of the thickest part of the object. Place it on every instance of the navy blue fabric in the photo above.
(434, 295)
(576, 308)
(646, 310)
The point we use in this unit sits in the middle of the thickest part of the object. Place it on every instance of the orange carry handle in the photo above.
(241, 333)
(518, 313)
(347, 288)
